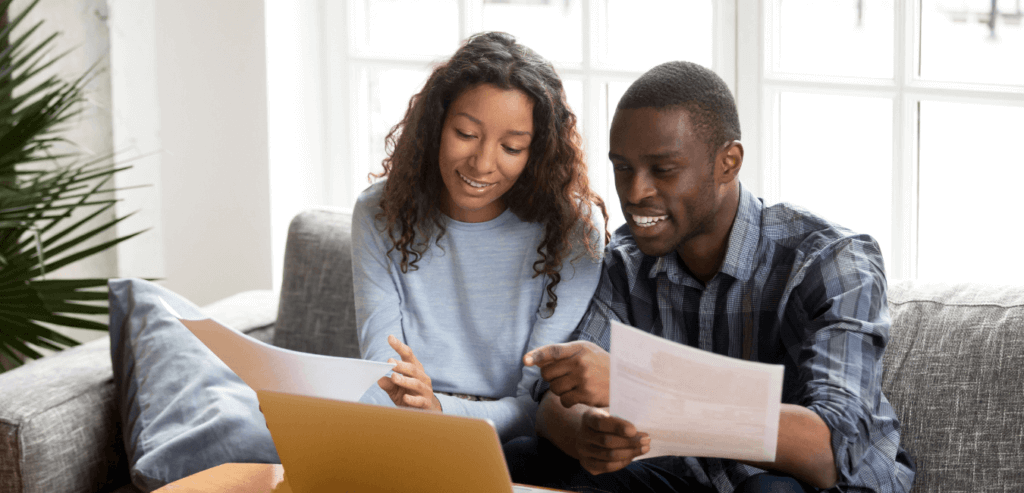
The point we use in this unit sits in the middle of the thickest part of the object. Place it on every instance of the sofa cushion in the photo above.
(182, 410)
(954, 372)
(58, 430)
(317, 311)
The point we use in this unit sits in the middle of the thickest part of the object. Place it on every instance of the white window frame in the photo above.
(758, 95)
(347, 143)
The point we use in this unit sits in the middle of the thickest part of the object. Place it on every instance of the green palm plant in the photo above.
(38, 194)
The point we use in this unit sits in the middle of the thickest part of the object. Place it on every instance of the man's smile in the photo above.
(647, 221)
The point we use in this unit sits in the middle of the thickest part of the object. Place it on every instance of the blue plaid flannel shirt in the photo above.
(794, 290)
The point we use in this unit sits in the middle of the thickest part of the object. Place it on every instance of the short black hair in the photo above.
(698, 90)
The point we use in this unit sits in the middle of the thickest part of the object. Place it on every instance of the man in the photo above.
(703, 262)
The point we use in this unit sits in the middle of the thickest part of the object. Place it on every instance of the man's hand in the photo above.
(577, 371)
(607, 444)
(409, 385)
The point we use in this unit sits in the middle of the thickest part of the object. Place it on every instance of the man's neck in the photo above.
(703, 255)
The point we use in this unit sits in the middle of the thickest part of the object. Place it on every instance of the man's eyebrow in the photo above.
(653, 156)
(478, 122)
(662, 155)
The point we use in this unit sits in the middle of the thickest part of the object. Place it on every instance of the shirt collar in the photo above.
(739, 256)
(743, 240)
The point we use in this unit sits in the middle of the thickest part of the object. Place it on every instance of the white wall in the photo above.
(189, 83)
(82, 29)
(296, 92)
(135, 116)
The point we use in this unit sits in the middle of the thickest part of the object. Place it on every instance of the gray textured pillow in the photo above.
(182, 410)
(954, 372)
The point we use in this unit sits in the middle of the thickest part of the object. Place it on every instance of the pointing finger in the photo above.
(402, 349)
(548, 354)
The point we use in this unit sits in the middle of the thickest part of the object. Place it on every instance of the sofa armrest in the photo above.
(250, 312)
(59, 429)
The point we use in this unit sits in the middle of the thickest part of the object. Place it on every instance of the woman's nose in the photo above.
(486, 159)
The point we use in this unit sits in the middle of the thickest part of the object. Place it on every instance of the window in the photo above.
(893, 118)
(598, 48)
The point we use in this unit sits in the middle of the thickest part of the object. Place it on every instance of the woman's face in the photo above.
(485, 144)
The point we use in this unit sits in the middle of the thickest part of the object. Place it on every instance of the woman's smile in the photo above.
(473, 183)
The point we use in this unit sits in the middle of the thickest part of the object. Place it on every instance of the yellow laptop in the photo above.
(328, 445)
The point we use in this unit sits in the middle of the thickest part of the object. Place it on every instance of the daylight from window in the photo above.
(874, 111)
(624, 42)
(889, 139)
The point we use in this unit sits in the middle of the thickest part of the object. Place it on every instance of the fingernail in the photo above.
(528, 360)
(645, 441)
(392, 361)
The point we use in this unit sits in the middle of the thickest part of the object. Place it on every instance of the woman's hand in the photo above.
(409, 385)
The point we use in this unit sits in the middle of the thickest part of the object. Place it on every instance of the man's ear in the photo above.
(730, 160)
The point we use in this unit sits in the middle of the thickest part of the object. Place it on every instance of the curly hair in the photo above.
(552, 190)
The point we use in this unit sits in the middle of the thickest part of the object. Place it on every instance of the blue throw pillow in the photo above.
(182, 409)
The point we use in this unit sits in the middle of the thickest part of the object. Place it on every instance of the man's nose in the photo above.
(638, 187)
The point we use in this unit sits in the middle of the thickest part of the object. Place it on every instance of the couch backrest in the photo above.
(954, 372)
(317, 309)
(954, 368)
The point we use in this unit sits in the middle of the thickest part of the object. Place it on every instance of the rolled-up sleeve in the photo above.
(840, 310)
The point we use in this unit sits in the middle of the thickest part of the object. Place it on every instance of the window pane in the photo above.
(836, 161)
(962, 41)
(574, 96)
(602, 177)
(639, 34)
(970, 185)
(397, 28)
(848, 37)
(382, 99)
(551, 28)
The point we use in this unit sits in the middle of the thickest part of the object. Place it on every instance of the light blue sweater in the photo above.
(469, 312)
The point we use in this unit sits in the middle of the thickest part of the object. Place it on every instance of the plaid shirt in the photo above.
(794, 290)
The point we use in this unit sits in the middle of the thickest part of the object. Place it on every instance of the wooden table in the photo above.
(252, 478)
(232, 478)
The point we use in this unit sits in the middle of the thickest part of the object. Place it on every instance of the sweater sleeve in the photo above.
(376, 294)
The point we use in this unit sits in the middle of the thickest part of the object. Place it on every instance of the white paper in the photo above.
(692, 402)
(266, 367)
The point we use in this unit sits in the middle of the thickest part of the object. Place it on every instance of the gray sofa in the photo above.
(954, 372)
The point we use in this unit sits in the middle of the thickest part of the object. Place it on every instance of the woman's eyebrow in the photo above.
(478, 122)
(471, 117)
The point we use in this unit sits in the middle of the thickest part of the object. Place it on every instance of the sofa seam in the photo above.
(948, 303)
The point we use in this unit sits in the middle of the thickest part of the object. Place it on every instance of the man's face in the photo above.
(664, 178)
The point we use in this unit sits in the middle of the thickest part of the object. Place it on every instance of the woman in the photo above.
(481, 243)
